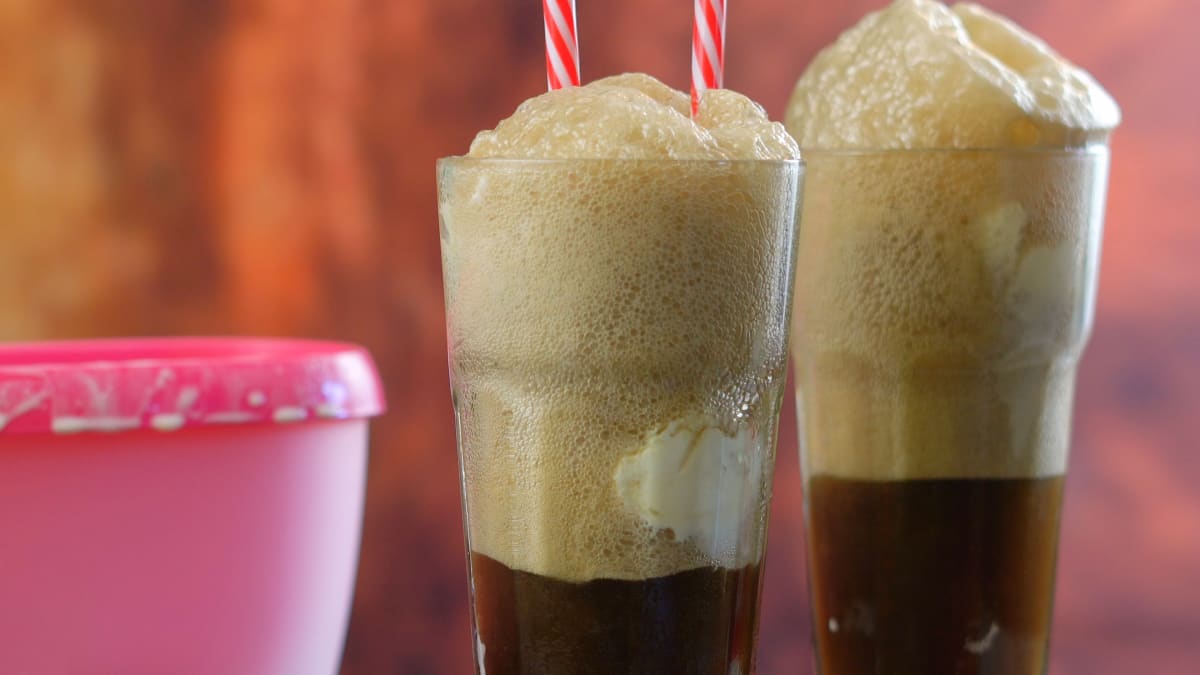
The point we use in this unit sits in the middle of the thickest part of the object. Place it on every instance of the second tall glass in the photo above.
(944, 297)
(617, 338)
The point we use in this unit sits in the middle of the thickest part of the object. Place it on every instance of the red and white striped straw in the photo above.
(708, 49)
(562, 44)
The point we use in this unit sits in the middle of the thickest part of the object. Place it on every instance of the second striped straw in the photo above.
(562, 44)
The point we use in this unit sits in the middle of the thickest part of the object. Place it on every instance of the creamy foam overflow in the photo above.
(636, 344)
(919, 74)
(634, 116)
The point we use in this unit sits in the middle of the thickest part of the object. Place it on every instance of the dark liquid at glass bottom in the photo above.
(699, 622)
(933, 577)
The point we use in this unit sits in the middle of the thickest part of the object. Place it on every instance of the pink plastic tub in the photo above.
(181, 506)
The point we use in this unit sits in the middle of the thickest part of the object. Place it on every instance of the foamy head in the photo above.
(943, 300)
(634, 116)
(944, 295)
(603, 311)
(919, 74)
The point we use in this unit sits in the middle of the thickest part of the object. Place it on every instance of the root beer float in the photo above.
(618, 288)
(945, 284)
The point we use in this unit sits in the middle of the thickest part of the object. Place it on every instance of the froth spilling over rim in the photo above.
(920, 74)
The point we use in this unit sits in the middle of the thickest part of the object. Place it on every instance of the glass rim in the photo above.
(630, 161)
(1090, 150)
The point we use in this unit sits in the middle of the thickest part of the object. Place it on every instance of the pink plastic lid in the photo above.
(168, 384)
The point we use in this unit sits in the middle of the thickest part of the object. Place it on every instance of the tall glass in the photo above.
(617, 345)
(944, 297)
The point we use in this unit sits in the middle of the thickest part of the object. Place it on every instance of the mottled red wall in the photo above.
(174, 166)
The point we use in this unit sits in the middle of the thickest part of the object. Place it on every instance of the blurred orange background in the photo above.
(227, 166)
